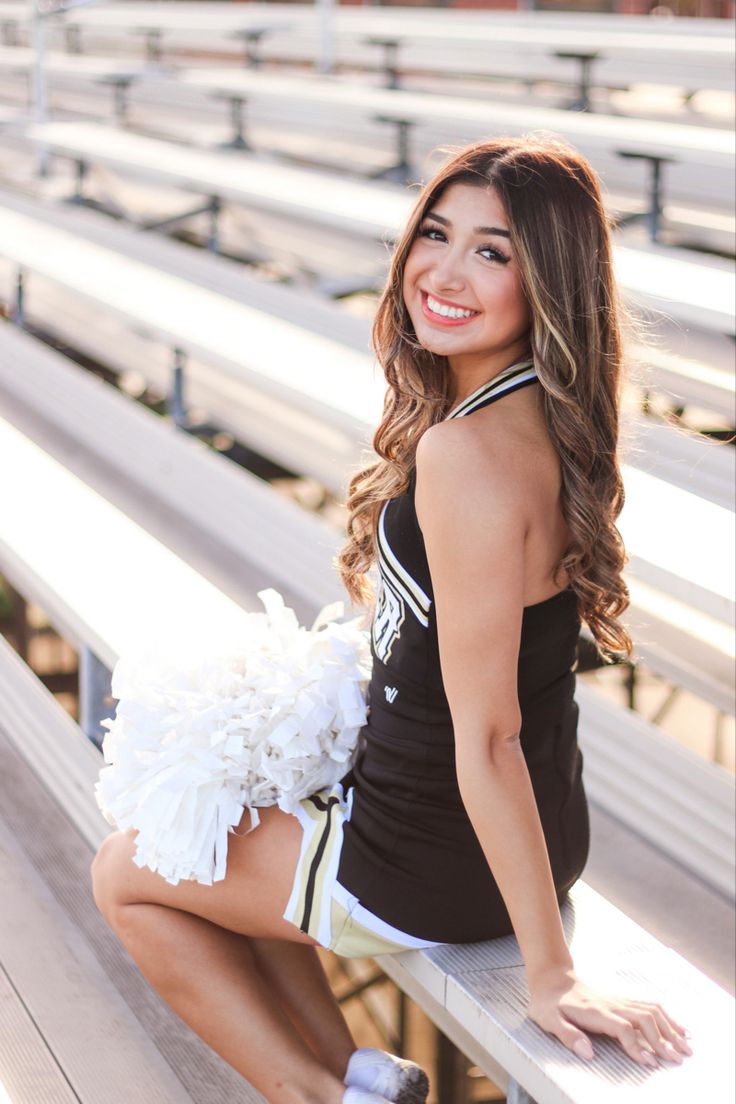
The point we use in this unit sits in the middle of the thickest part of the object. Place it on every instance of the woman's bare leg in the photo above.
(295, 972)
(188, 942)
(211, 979)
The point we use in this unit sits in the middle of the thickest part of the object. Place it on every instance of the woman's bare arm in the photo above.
(468, 506)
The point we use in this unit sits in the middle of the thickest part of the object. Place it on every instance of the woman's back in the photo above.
(410, 853)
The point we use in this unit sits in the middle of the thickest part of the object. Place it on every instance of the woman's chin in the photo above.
(428, 334)
(441, 344)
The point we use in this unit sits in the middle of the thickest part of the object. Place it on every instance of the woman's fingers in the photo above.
(621, 1028)
(656, 1032)
(659, 1028)
(637, 1029)
(643, 1028)
(679, 1034)
(610, 1024)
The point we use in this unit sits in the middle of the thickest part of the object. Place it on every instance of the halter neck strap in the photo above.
(519, 374)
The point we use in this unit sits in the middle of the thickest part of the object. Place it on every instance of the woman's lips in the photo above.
(440, 319)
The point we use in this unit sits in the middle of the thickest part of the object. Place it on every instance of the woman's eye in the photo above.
(496, 253)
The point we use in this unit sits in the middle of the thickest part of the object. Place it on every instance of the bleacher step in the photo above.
(114, 1039)
(102, 1054)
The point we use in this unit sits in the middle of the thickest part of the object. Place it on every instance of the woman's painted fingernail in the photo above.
(583, 1048)
(648, 1057)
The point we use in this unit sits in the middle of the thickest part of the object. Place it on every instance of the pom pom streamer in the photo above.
(206, 727)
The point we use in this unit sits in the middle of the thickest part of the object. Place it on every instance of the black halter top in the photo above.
(410, 853)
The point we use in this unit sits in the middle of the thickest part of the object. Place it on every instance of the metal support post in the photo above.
(403, 144)
(515, 1094)
(95, 699)
(18, 312)
(390, 55)
(175, 402)
(583, 101)
(120, 89)
(390, 63)
(630, 684)
(655, 199)
(252, 39)
(79, 179)
(585, 60)
(402, 171)
(653, 215)
(238, 140)
(213, 242)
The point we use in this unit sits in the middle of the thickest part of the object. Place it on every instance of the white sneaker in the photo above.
(353, 1095)
(395, 1079)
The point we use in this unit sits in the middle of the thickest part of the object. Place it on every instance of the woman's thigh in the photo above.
(250, 899)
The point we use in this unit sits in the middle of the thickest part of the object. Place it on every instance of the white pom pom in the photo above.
(205, 728)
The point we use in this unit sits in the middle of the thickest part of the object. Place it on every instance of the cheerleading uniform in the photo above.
(390, 852)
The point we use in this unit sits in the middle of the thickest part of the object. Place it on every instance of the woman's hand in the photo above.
(562, 1004)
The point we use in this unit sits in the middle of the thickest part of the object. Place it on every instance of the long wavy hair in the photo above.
(562, 244)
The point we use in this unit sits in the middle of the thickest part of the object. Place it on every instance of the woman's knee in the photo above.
(108, 871)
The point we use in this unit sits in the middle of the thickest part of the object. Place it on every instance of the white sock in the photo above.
(393, 1078)
(358, 1096)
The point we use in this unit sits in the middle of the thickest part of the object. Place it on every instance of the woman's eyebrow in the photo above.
(477, 229)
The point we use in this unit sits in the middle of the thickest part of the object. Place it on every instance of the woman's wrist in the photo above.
(550, 973)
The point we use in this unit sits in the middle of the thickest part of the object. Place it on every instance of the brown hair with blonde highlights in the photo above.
(564, 252)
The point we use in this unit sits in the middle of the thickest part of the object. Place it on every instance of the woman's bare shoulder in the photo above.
(499, 455)
(458, 437)
(455, 460)
(471, 448)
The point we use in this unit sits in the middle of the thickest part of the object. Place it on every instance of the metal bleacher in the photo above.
(116, 521)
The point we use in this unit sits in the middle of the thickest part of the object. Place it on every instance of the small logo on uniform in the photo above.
(390, 692)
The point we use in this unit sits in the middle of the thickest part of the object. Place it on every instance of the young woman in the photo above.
(490, 514)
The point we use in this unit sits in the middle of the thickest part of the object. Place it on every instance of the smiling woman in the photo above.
(492, 525)
(489, 514)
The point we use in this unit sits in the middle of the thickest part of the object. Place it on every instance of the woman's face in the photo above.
(462, 258)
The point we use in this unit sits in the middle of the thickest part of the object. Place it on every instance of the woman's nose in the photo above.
(447, 273)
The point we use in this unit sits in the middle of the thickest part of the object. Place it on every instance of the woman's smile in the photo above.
(432, 309)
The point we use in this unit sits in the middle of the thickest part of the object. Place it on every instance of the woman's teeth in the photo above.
(448, 312)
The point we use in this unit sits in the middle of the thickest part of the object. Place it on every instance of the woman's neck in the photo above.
(467, 380)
